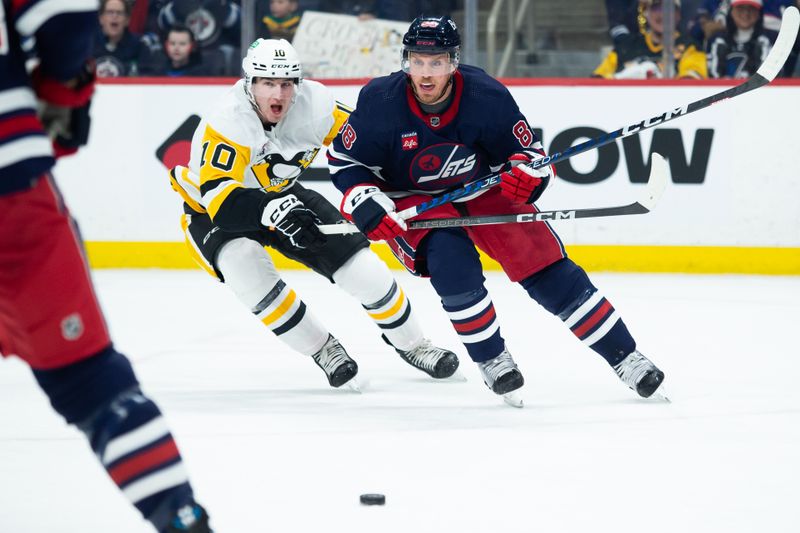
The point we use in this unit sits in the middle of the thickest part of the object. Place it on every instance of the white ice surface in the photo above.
(271, 448)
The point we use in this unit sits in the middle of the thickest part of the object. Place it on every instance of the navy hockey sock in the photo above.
(473, 317)
(564, 289)
(457, 276)
(101, 396)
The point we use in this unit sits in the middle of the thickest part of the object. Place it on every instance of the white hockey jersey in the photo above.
(231, 150)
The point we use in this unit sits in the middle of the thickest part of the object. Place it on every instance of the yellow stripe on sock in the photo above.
(281, 309)
(394, 309)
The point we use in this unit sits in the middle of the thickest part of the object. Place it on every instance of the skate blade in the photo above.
(354, 385)
(514, 399)
(660, 396)
(457, 376)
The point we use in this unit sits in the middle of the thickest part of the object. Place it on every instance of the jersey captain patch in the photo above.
(443, 165)
(275, 173)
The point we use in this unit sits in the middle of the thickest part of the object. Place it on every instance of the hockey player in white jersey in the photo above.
(241, 194)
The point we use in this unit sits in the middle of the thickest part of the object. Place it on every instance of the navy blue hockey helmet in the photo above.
(432, 35)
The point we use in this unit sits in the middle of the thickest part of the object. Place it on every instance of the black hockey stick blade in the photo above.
(657, 182)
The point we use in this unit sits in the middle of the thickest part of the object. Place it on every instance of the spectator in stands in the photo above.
(709, 20)
(622, 24)
(623, 19)
(642, 58)
(117, 51)
(738, 51)
(215, 25)
(280, 22)
(180, 56)
(712, 17)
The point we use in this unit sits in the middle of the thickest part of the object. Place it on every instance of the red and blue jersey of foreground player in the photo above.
(60, 33)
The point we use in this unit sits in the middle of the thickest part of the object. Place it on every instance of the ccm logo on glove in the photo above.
(277, 209)
(295, 223)
(372, 212)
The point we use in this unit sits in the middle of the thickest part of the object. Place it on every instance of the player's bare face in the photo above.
(273, 97)
(430, 76)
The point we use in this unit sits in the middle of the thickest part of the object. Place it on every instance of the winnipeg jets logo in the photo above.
(453, 165)
(429, 162)
(440, 166)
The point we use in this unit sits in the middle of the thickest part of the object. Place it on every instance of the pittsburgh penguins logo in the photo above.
(275, 172)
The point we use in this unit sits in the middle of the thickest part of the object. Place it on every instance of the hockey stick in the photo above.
(765, 74)
(657, 182)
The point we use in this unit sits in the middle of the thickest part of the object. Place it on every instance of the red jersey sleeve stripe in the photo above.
(18, 125)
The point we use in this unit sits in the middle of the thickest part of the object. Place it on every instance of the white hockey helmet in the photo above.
(270, 58)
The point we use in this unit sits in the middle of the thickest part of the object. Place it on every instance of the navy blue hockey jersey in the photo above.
(390, 141)
(62, 31)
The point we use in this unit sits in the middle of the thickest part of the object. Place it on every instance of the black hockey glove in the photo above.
(294, 222)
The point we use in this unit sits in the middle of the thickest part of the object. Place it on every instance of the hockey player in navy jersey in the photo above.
(49, 315)
(241, 193)
(437, 125)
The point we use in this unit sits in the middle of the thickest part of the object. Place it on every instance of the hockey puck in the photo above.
(372, 499)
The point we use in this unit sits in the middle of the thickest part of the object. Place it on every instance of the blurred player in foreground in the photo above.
(49, 315)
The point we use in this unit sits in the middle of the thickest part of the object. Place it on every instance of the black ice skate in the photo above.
(334, 361)
(190, 519)
(436, 362)
(640, 374)
(504, 378)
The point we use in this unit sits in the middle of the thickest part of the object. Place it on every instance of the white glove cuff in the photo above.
(277, 209)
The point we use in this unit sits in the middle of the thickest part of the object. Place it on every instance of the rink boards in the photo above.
(732, 205)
